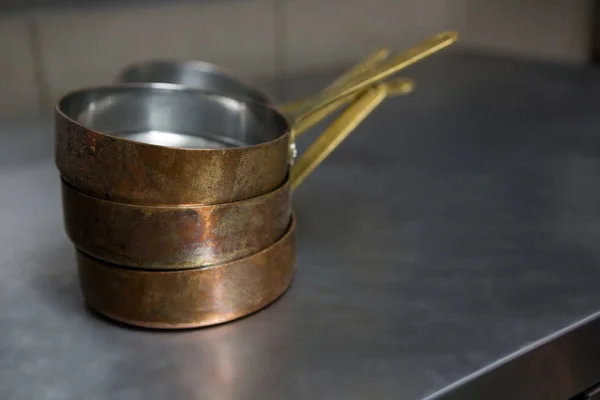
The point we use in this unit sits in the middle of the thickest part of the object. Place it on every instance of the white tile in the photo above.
(324, 33)
(17, 80)
(89, 46)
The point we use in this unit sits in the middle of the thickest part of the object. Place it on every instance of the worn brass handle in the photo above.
(336, 133)
(375, 74)
(374, 58)
(394, 87)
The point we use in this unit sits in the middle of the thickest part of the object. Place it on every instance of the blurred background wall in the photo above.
(48, 47)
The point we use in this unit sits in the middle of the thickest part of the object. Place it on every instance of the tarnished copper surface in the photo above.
(174, 237)
(189, 298)
(121, 170)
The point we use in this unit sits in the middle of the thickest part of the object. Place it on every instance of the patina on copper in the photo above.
(193, 297)
(94, 155)
(174, 237)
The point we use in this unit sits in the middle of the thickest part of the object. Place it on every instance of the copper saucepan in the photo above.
(188, 236)
(193, 297)
(174, 237)
(162, 145)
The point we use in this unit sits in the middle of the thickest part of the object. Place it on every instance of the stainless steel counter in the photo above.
(449, 246)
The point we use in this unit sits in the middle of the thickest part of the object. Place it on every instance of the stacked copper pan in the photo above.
(177, 181)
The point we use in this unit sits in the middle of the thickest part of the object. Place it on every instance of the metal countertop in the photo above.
(458, 226)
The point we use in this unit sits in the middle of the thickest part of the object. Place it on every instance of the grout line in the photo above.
(281, 46)
(594, 32)
(39, 67)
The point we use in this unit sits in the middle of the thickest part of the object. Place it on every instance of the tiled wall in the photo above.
(552, 29)
(18, 85)
(44, 53)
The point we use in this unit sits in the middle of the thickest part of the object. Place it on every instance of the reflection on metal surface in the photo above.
(173, 139)
(220, 364)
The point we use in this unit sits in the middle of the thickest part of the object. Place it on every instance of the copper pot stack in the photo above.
(177, 182)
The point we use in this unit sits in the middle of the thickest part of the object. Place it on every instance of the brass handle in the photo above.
(400, 86)
(394, 87)
(375, 74)
(336, 133)
(374, 58)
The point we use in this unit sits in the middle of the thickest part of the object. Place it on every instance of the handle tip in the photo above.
(400, 86)
(449, 36)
